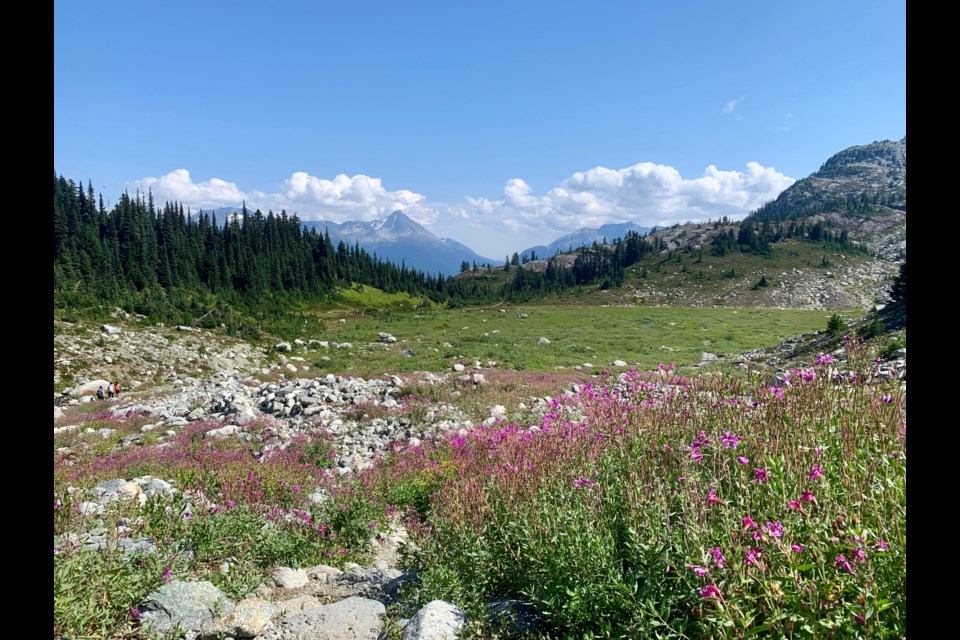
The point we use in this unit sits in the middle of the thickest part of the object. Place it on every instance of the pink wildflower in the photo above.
(167, 574)
(697, 457)
(713, 499)
(753, 557)
(700, 571)
(710, 591)
(760, 475)
(796, 548)
(718, 557)
(841, 563)
(748, 523)
(807, 497)
(816, 473)
(729, 440)
(743, 459)
(775, 529)
(882, 545)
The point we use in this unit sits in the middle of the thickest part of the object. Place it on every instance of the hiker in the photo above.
(110, 390)
(116, 389)
(100, 392)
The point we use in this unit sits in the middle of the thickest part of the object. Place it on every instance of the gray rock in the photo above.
(57, 413)
(191, 606)
(438, 620)
(543, 340)
(222, 432)
(249, 619)
(479, 379)
(296, 606)
(352, 619)
(107, 487)
(458, 367)
(498, 411)
(619, 363)
(110, 329)
(283, 346)
(287, 578)
(153, 486)
(196, 414)
(512, 617)
(88, 388)
(245, 416)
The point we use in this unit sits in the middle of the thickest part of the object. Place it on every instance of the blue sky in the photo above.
(499, 124)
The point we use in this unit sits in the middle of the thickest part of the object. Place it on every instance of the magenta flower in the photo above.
(700, 571)
(775, 529)
(886, 398)
(743, 459)
(134, 613)
(753, 557)
(697, 457)
(729, 440)
(795, 504)
(718, 557)
(841, 563)
(229, 504)
(824, 358)
(167, 574)
(667, 447)
(807, 497)
(760, 475)
(748, 523)
(582, 482)
(859, 555)
(882, 545)
(710, 591)
(818, 451)
(859, 619)
(713, 499)
(815, 473)
(796, 548)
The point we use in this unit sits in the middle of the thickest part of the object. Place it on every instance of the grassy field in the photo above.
(434, 339)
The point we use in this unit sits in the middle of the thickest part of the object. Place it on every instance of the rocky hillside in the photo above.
(862, 180)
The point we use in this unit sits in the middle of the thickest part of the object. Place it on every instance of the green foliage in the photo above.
(836, 325)
(873, 329)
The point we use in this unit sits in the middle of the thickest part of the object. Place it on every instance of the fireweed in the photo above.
(604, 521)
(239, 511)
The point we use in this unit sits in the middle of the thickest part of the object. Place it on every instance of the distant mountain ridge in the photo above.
(867, 179)
(584, 237)
(399, 239)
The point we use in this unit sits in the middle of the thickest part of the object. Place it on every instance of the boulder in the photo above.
(354, 618)
(189, 606)
(249, 619)
(438, 620)
(89, 388)
(287, 578)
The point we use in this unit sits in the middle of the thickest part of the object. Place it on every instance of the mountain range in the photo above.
(585, 236)
(399, 239)
(866, 179)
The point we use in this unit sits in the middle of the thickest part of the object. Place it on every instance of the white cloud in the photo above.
(646, 193)
(343, 198)
(730, 106)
